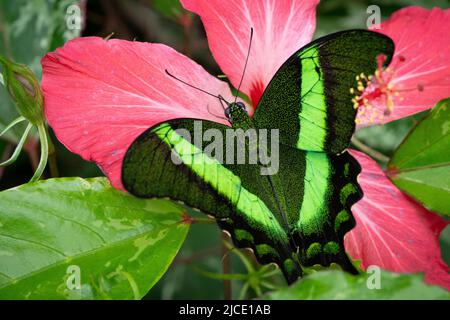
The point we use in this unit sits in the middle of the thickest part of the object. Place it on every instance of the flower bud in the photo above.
(24, 89)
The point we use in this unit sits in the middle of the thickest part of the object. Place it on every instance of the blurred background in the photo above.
(29, 29)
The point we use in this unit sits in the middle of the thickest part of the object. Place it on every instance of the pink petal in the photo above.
(421, 66)
(280, 28)
(392, 231)
(100, 95)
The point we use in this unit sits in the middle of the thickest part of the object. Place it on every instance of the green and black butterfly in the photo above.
(298, 216)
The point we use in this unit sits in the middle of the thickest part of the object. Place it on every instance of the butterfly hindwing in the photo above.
(330, 189)
(309, 97)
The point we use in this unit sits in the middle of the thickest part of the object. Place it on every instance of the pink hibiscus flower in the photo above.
(393, 231)
(100, 95)
(419, 74)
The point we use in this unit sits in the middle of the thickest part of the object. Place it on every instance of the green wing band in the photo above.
(313, 112)
(313, 211)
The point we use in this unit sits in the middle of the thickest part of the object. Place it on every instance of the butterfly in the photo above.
(298, 216)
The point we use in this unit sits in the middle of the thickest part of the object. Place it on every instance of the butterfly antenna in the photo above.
(245, 66)
(190, 85)
(222, 101)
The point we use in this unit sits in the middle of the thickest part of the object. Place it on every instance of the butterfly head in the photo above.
(235, 111)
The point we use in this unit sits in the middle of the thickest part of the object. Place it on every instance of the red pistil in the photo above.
(375, 88)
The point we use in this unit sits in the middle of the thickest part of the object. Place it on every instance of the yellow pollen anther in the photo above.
(374, 95)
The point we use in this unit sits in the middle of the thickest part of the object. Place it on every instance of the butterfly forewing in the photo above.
(309, 97)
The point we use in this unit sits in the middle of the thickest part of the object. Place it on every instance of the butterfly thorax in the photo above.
(238, 116)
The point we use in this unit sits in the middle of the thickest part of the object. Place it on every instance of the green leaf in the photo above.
(421, 165)
(338, 285)
(122, 245)
(170, 8)
(387, 137)
(28, 30)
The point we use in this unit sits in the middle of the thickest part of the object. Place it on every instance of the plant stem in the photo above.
(226, 267)
(16, 152)
(44, 152)
(371, 152)
(52, 164)
(12, 124)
